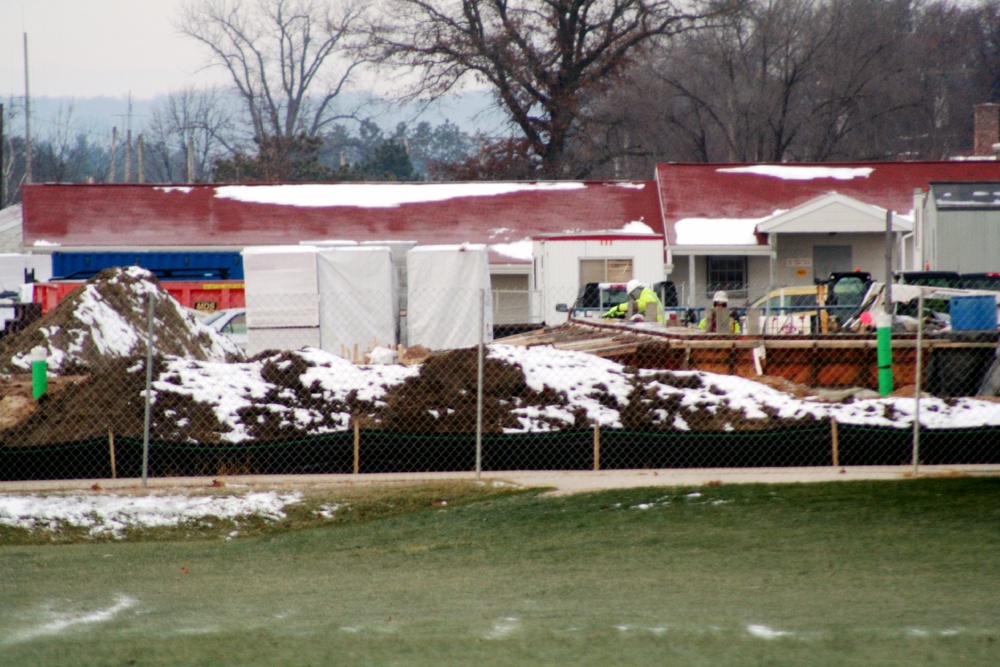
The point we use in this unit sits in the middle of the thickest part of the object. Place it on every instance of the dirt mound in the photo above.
(304, 393)
(443, 397)
(107, 318)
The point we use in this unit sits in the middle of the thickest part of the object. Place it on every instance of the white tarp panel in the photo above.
(358, 300)
(281, 287)
(399, 250)
(285, 338)
(448, 291)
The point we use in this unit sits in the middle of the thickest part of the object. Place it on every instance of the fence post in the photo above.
(111, 452)
(835, 442)
(149, 392)
(479, 384)
(357, 446)
(917, 384)
(597, 446)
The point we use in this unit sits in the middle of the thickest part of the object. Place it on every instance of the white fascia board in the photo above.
(756, 251)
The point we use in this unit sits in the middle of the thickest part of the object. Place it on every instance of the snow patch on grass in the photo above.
(67, 621)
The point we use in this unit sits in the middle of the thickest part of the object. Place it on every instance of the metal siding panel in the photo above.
(970, 241)
(70, 263)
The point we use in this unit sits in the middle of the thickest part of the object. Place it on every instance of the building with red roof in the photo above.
(739, 227)
(745, 227)
(80, 218)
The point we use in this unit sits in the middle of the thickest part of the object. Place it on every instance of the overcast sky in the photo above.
(90, 48)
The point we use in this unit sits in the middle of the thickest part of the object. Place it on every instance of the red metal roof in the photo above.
(758, 190)
(77, 216)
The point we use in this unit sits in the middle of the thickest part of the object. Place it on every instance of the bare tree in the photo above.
(543, 59)
(203, 120)
(11, 172)
(805, 80)
(289, 59)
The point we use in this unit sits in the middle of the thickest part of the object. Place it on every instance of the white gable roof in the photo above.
(833, 212)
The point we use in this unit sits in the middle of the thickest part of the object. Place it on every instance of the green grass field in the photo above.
(874, 573)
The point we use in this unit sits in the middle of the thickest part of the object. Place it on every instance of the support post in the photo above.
(883, 334)
(597, 446)
(835, 442)
(888, 262)
(918, 384)
(149, 393)
(111, 452)
(357, 446)
(479, 384)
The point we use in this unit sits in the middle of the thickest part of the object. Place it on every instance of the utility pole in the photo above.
(128, 141)
(27, 117)
(114, 161)
(140, 156)
(128, 157)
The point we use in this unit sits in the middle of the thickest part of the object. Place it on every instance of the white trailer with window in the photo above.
(564, 262)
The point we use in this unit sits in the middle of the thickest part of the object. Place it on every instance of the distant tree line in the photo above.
(186, 134)
(587, 89)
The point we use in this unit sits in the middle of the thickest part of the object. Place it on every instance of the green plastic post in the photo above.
(883, 334)
(39, 372)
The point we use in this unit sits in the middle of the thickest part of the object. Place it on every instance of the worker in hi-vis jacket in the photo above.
(640, 298)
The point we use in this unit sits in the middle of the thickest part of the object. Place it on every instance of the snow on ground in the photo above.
(755, 401)
(599, 387)
(581, 377)
(112, 515)
(230, 388)
(107, 318)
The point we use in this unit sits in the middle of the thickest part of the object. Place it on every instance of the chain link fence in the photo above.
(120, 381)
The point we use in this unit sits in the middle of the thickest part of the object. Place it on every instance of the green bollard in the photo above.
(39, 372)
(883, 334)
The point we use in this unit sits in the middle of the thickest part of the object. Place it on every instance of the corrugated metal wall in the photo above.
(167, 265)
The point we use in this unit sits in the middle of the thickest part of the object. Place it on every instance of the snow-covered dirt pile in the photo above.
(292, 395)
(204, 391)
(108, 318)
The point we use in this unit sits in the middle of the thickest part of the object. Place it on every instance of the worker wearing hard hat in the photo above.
(708, 323)
(637, 308)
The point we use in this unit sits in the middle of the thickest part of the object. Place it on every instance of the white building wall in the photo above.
(795, 255)
(557, 266)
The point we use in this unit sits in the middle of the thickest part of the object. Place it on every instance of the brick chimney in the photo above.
(987, 129)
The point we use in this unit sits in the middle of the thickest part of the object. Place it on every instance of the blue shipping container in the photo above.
(165, 265)
(973, 313)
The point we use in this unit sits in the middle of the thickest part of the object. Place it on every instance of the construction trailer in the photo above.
(564, 262)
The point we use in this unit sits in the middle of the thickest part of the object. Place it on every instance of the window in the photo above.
(237, 325)
(605, 271)
(727, 273)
